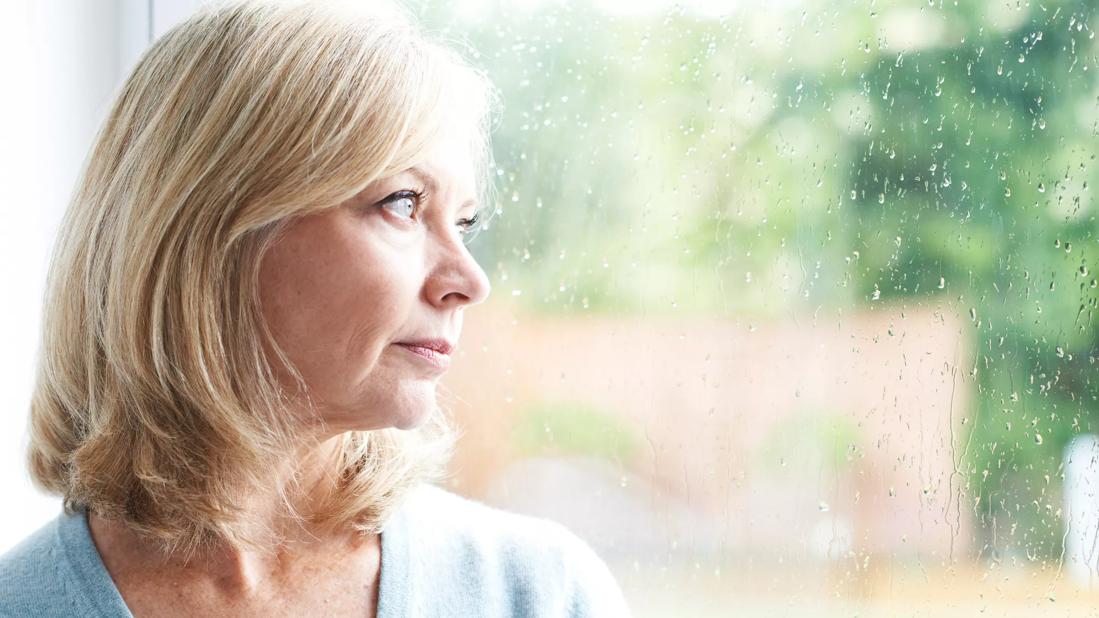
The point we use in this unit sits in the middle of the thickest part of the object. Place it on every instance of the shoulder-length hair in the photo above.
(155, 402)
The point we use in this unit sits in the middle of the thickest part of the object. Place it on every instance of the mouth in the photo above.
(442, 346)
(431, 355)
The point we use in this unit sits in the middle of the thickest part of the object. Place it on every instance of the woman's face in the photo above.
(342, 289)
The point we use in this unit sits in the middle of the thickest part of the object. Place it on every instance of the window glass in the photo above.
(793, 303)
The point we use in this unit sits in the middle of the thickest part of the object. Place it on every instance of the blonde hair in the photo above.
(155, 403)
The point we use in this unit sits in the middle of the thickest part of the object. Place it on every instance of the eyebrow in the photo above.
(433, 185)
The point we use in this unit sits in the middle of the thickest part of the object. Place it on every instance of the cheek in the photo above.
(332, 303)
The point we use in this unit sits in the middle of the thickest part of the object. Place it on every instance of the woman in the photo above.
(257, 286)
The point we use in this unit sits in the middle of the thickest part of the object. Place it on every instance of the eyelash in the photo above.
(467, 225)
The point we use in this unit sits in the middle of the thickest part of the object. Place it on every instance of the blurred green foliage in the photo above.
(811, 442)
(556, 428)
(800, 155)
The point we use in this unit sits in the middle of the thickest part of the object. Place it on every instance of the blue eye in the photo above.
(407, 203)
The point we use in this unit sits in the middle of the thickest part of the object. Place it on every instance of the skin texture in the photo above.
(342, 286)
(338, 289)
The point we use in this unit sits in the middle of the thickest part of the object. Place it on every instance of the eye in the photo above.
(470, 224)
(403, 203)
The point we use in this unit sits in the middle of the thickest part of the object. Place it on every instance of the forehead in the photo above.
(447, 170)
(449, 161)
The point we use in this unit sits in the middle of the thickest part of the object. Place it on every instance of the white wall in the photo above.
(62, 61)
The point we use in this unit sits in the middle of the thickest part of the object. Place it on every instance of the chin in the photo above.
(412, 420)
(407, 410)
(414, 410)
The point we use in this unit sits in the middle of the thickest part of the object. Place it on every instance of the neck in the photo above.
(240, 570)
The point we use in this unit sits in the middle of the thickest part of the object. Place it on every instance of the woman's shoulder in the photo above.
(32, 573)
(525, 565)
(443, 518)
(56, 572)
(29, 564)
(464, 517)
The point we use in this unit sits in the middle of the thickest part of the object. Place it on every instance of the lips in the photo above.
(435, 352)
(442, 346)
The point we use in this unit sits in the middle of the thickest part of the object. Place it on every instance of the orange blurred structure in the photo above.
(825, 437)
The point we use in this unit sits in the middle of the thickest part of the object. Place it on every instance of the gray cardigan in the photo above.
(442, 555)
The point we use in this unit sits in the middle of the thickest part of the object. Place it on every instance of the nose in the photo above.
(456, 279)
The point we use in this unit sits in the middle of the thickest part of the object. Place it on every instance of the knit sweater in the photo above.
(442, 555)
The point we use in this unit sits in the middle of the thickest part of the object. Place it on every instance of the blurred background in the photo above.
(793, 300)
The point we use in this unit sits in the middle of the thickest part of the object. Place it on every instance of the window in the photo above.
(794, 302)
